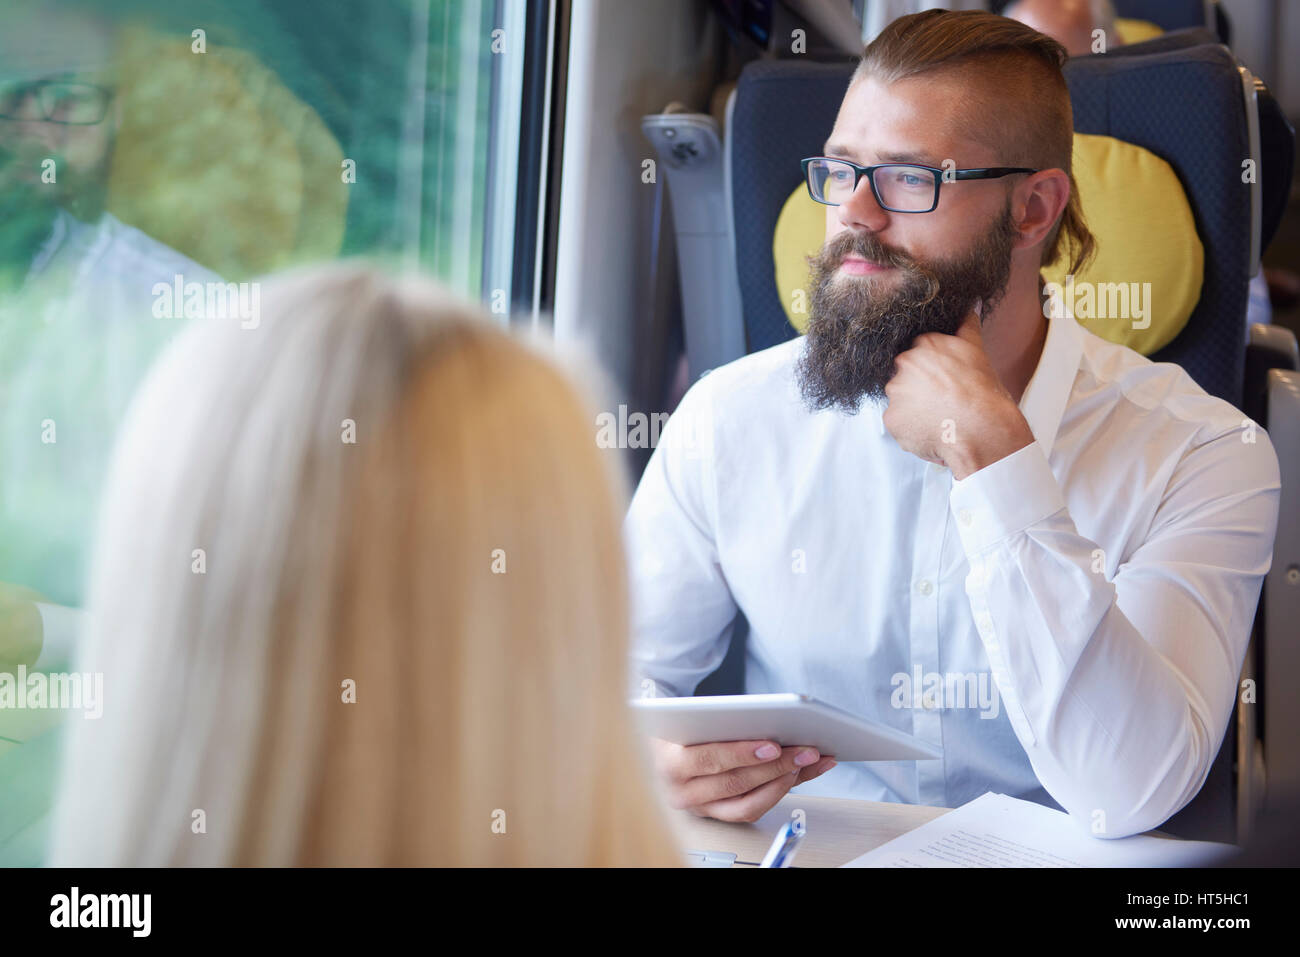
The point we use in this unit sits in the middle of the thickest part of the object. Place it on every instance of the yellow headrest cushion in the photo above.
(264, 199)
(1135, 31)
(800, 232)
(1145, 233)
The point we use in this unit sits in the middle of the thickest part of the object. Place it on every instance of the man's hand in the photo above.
(733, 780)
(947, 405)
(21, 629)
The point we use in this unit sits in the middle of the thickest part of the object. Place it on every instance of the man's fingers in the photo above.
(8, 590)
(751, 806)
(692, 761)
(737, 781)
(815, 770)
(22, 631)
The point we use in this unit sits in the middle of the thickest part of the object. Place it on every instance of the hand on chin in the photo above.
(947, 405)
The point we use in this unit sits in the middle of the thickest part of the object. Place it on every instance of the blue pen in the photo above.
(783, 849)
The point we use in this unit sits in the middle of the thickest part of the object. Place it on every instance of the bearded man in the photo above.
(939, 490)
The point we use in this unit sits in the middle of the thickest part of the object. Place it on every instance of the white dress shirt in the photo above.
(1068, 623)
(74, 343)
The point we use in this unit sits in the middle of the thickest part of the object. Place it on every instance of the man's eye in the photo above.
(913, 182)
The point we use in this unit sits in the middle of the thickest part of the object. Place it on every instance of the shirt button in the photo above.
(924, 586)
(965, 517)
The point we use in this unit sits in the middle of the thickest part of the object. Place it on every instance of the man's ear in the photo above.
(1040, 200)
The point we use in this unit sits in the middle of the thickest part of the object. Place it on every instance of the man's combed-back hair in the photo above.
(1019, 103)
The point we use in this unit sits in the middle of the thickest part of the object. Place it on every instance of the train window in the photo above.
(156, 158)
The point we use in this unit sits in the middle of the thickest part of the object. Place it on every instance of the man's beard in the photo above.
(857, 328)
(28, 209)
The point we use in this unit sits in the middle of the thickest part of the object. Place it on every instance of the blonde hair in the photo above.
(1020, 101)
(458, 567)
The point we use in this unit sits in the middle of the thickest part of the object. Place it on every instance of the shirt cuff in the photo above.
(62, 627)
(1005, 498)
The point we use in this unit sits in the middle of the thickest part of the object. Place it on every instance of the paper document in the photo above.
(999, 831)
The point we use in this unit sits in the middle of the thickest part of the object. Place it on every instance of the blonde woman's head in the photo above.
(358, 598)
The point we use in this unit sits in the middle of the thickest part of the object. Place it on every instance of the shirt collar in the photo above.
(73, 244)
(1048, 392)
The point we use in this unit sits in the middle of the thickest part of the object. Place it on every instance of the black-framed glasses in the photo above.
(56, 101)
(898, 187)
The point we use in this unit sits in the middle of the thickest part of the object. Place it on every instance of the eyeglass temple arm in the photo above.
(991, 172)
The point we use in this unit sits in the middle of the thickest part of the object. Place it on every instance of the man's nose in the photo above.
(36, 132)
(861, 211)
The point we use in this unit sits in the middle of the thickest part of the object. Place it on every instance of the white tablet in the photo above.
(788, 719)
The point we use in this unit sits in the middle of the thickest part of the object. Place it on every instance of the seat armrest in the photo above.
(1276, 342)
(1270, 347)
